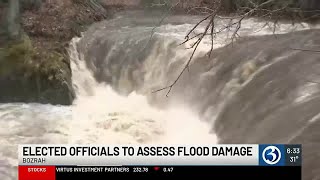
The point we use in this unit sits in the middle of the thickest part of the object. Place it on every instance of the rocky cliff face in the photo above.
(35, 67)
(29, 75)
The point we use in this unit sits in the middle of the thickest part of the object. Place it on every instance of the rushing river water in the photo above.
(115, 67)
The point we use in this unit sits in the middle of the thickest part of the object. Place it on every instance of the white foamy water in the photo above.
(101, 116)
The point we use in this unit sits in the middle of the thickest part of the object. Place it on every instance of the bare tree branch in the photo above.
(188, 63)
(234, 25)
(164, 16)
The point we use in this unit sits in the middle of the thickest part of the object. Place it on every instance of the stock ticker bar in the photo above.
(216, 172)
(59, 162)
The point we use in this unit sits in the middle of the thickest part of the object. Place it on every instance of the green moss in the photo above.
(20, 57)
(15, 56)
(54, 67)
(34, 75)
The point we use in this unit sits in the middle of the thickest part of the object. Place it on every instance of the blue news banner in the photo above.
(275, 162)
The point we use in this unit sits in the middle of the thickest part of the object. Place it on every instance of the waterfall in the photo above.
(117, 65)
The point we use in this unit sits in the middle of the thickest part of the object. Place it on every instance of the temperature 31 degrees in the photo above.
(293, 159)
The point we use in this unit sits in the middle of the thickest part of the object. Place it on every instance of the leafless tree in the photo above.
(213, 11)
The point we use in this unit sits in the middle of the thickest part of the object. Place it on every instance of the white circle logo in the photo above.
(271, 155)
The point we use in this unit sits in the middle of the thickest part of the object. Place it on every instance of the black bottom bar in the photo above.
(216, 172)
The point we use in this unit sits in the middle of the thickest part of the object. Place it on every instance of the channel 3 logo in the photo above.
(271, 155)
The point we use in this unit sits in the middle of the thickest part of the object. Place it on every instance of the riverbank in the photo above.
(36, 66)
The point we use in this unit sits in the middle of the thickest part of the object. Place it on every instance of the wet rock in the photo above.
(27, 75)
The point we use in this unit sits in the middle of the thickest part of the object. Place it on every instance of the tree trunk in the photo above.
(13, 19)
(310, 4)
(228, 5)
